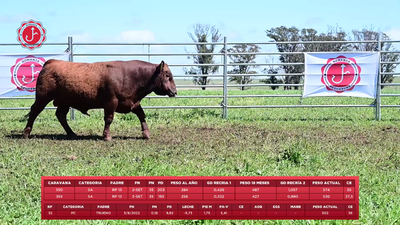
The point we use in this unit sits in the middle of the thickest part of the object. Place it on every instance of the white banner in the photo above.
(341, 74)
(18, 73)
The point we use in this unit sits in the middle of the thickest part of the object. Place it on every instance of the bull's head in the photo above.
(165, 84)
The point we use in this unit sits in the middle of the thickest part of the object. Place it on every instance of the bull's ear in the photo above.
(162, 65)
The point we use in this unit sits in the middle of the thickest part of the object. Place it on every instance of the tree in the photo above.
(293, 34)
(272, 79)
(369, 35)
(237, 56)
(201, 35)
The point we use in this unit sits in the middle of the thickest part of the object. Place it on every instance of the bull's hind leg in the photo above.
(61, 114)
(109, 111)
(142, 117)
(36, 109)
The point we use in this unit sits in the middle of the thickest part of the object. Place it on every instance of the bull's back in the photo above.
(75, 84)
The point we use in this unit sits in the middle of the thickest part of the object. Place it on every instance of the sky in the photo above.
(170, 21)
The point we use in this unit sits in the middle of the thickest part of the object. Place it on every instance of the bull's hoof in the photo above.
(26, 133)
(72, 136)
(146, 134)
(107, 138)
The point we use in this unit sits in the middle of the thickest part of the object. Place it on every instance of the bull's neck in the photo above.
(148, 84)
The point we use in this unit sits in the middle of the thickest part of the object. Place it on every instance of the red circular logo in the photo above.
(25, 72)
(31, 34)
(341, 74)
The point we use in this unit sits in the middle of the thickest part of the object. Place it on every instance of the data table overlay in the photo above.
(208, 198)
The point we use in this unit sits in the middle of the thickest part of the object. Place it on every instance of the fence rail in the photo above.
(224, 54)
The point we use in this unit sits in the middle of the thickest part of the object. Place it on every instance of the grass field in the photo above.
(198, 142)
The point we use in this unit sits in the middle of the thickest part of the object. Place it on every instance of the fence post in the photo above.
(71, 59)
(225, 81)
(378, 83)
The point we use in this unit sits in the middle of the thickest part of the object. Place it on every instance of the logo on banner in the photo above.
(25, 72)
(341, 74)
(31, 34)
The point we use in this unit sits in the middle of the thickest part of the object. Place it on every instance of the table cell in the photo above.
(326, 183)
(49, 206)
(295, 213)
(326, 213)
(185, 196)
(161, 197)
(348, 196)
(224, 213)
(138, 190)
(293, 183)
(207, 213)
(207, 207)
(183, 190)
(103, 207)
(241, 207)
(90, 196)
(117, 196)
(104, 213)
(59, 183)
(94, 190)
(255, 196)
(350, 207)
(326, 196)
(132, 207)
(276, 207)
(169, 207)
(90, 183)
(151, 189)
(186, 207)
(151, 196)
(261, 190)
(161, 190)
(184, 183)
(188, 213)
(117, 190)
(348, 190)
(137, 183)
(293, 196)
(73, 207)
(276, 213)
(55, 190)
(325, 207)
(139, 196)
(294, 190)
(132, 213)
(349, 183)
(117, 183)
(154, 213)
(241, 213)
(332, 190)
(258, 207)
(295, 207)
(50, 213)
(154, 207)
(259, 213)
(223, 207)
(73, 213)
(216, 190)
(171, 213)
(255, 183)
(351, 213)
(219, 196)
(59, 196)
(218, 183)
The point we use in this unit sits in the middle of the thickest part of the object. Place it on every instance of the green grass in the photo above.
(198, 142)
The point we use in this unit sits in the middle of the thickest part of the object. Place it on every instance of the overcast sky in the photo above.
(170, 21)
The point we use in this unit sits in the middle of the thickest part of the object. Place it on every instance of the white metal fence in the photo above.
(224, 75)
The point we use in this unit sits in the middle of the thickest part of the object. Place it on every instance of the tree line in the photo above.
(203, 33)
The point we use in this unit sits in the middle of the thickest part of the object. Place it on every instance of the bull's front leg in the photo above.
(109, 112)
(142, 117)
